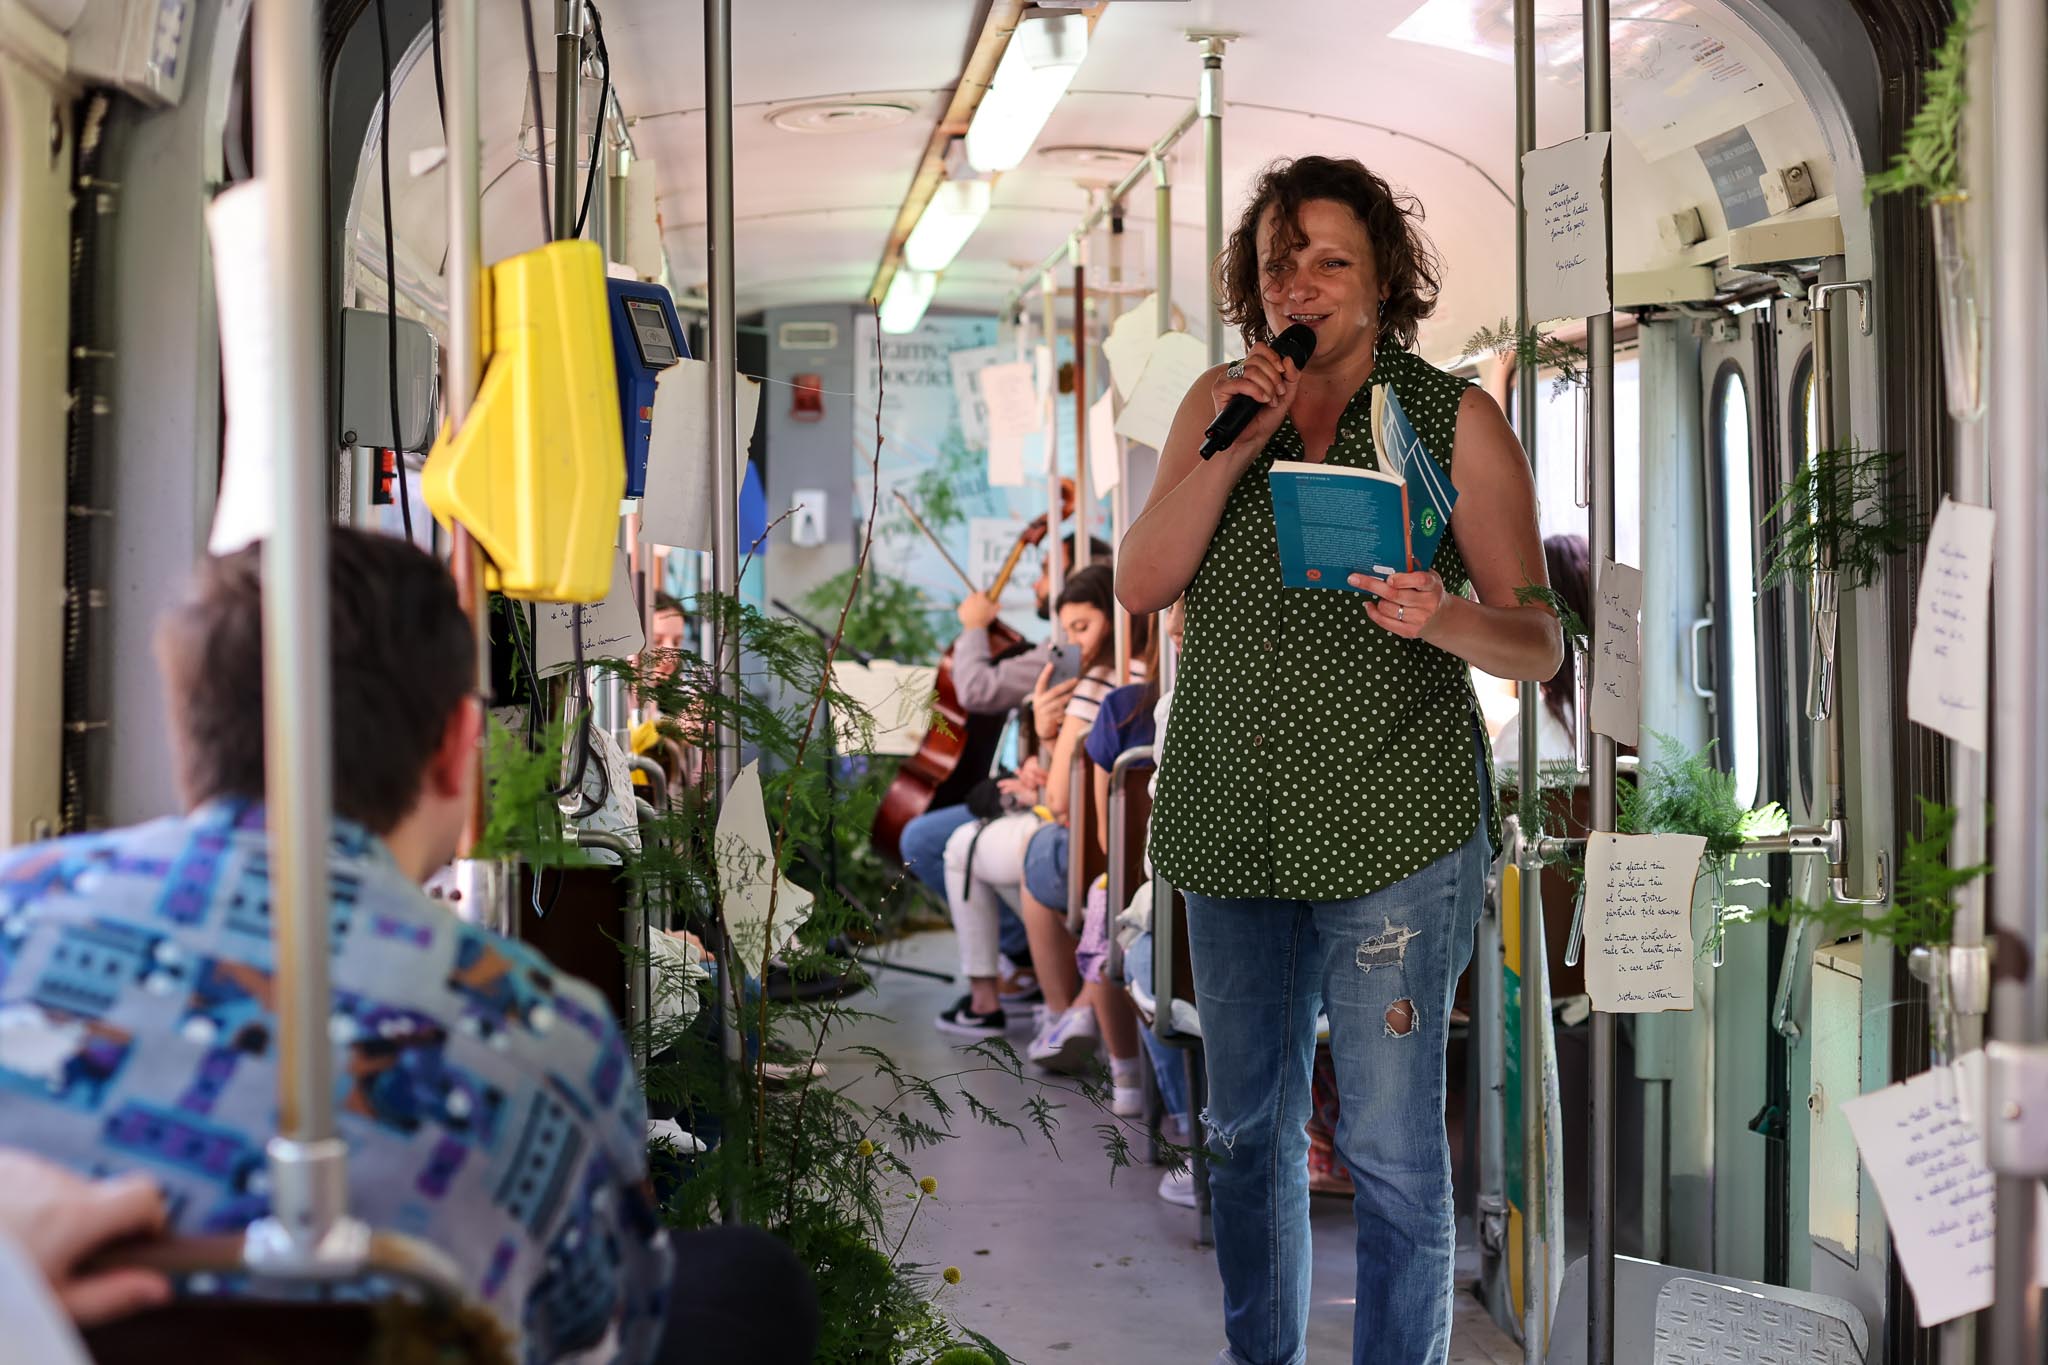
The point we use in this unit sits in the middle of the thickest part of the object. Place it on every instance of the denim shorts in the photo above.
(1045, 867)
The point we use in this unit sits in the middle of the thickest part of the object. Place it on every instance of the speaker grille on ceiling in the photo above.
(807, 336)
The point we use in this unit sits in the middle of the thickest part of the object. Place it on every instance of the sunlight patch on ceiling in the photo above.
(1680, 74)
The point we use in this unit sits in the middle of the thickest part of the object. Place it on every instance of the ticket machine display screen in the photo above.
(650, 329)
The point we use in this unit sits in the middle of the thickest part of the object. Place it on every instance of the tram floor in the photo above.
(1059, 1263)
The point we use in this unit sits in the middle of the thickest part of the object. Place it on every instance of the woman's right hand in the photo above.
(1049, 705)
(1268, 379)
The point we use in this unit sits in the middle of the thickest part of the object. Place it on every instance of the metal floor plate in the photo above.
(1699, 1323)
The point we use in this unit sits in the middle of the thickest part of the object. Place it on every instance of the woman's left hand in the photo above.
(1410, 604)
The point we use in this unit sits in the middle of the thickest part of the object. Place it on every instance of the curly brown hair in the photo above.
(1407, 262)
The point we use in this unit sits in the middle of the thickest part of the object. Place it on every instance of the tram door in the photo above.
(1755, 386)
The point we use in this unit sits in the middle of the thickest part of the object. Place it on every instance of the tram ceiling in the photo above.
(816, 211)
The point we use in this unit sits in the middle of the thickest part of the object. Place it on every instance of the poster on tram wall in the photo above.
(929, 455)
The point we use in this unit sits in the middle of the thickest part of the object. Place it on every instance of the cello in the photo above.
(957, 749)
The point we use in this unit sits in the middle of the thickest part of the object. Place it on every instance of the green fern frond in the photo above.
(1922, 912)
(1930, 160)
(1532, 347)
(1575, 632)
(1842, 499)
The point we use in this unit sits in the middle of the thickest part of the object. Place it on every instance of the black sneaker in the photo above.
(963, 1020)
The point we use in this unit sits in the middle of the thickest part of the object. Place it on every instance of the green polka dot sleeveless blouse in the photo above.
(1312, 755)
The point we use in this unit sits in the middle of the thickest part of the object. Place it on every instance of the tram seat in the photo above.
(1086, 859)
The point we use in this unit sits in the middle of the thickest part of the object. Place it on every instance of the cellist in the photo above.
(989, 684)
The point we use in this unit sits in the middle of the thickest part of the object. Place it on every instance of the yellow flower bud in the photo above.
(928, 1185)
(866, 1148)
(952, 1274)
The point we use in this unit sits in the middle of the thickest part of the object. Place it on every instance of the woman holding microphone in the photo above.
(1325, 793)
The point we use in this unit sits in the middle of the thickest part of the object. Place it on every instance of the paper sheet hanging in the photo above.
(676, 510)
(1639, 947)
(611, 628)
(1176, 362)
(897, 698)
(746, 873)
(1947, 681)
(1129, 345)
(966, 366)
(1617, 654)
(1921, 1143)
(1105, 456)
(1565, 188)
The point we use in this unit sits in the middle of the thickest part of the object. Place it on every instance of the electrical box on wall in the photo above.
(136, 46)
(807, 518)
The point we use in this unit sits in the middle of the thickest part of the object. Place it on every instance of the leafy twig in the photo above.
(1532, 347)
(1839, 500)
(1930, 160)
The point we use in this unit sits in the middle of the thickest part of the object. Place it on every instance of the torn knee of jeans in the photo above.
(1387, 948)
(1400, 1018)
(1220, 1138)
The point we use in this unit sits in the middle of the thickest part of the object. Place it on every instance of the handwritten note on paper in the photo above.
(1639, 921)
(611, 628)
(1946, 681)
(1617, 654)
(1920, 1142)
(1105, 451)
(1176, 362)
(1129, 344)
(1566, 189)
(676, 510)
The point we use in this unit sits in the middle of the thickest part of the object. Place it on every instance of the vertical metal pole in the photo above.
(2019, 426)
(1210, 106)
(1084, 495)
(1967, 961)
(1535, 1263)
(1162, 276)
(486, 887)
(1049, 298)
(720, 352)
(1119, 497)
(308, 1161)
(568, 119)
(1600, 373)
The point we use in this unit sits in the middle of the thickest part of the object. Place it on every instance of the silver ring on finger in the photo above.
(1400, 612)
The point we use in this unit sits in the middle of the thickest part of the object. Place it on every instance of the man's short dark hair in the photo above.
(666, 602)
(404, 659)
(1099, 551)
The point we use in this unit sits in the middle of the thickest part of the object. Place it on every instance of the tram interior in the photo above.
(830, 273)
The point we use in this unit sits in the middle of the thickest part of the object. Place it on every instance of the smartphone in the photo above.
(1066, 664)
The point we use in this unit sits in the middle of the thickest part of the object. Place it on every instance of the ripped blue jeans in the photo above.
(1384, 967)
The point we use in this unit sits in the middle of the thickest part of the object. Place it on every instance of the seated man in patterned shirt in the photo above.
(488, 1102)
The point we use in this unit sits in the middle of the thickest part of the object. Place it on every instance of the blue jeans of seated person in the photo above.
(1384, 967)
(1045, 867)
(924, 852)
(1169, 1064)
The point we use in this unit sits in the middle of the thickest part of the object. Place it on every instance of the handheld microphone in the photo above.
(1297, 344)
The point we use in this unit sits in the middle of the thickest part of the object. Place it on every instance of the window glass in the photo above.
(1737, 588)
(1561, 452)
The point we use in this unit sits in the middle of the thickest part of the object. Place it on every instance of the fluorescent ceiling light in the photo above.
(910, 293)
(1036, 69)
(948, 221)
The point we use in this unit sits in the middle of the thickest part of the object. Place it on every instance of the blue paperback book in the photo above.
(1333, 521)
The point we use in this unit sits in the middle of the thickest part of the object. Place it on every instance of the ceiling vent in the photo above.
(1109, 160)
(840, 116)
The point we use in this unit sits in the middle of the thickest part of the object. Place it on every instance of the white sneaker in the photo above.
(1127, 1101)
(1067, 1042)
(1178, 1187)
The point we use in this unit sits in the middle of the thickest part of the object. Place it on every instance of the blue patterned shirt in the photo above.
(489, 1103)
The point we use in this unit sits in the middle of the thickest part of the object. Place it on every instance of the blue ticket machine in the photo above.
(647, 338)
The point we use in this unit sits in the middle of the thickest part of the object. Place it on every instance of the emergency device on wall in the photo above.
(647, 338)
(537, 471)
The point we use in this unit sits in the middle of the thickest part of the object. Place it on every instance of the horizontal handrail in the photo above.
(1154, 155)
